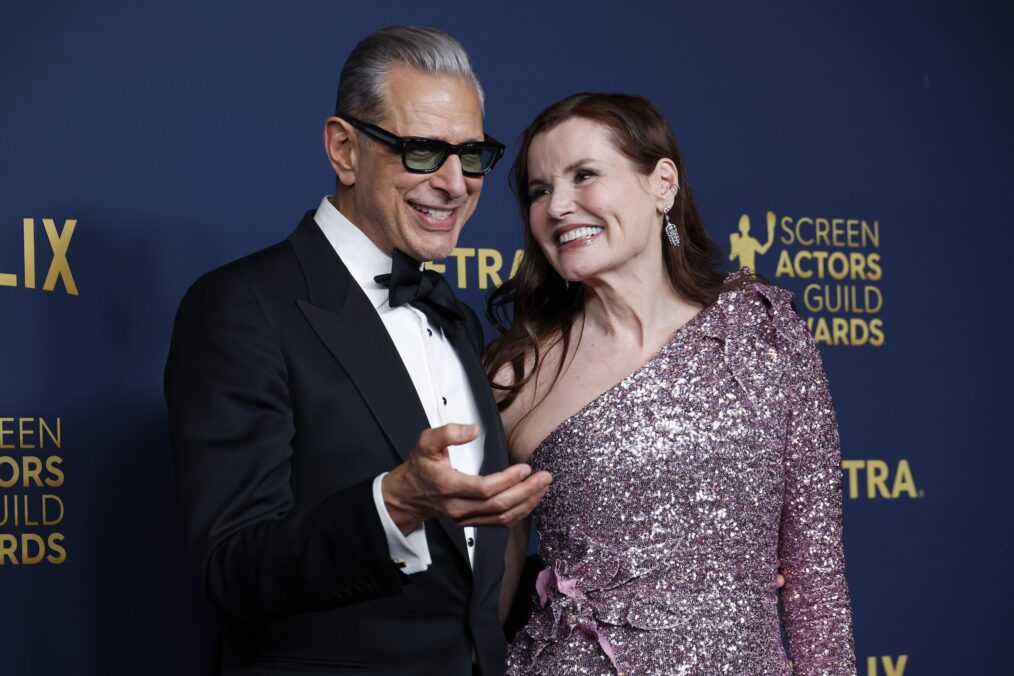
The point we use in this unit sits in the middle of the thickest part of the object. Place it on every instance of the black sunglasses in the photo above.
(426, 155)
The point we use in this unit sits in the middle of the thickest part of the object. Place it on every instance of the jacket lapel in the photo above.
(348, 325)
(350, 328)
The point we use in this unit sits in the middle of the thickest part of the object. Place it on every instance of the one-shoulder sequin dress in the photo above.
(677, 491)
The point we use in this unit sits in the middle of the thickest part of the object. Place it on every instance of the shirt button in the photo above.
(445, 400)
(429, 332)
(471, 542)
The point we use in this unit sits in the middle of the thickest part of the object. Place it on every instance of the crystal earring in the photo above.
(670, 228)
(566, 285)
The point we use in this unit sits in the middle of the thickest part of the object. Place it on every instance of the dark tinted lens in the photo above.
(424, 155)
(472, 160)
(477, 158)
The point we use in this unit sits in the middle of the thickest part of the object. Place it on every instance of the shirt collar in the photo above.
(361, 256)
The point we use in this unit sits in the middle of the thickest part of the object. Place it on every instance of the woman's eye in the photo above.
(536, 193)
(583, 175)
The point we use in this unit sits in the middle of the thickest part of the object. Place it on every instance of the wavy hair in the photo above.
(534, 310)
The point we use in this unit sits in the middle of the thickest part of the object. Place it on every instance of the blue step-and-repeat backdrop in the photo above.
(866, 146)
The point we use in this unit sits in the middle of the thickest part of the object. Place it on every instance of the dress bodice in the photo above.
(675, 493)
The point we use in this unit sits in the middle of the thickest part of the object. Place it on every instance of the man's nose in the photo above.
(449, 178)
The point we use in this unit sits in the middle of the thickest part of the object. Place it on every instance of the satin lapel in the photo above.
(348, 325)
(364, 349)
(353, 333)
(490, 542)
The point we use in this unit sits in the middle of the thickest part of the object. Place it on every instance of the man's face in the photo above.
(420, 214)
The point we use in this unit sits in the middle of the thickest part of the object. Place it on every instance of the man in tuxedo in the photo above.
(340, 455)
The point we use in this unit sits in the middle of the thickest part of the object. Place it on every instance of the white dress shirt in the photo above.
(433, 365)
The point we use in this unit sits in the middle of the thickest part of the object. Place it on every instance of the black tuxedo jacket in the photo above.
(286, 398)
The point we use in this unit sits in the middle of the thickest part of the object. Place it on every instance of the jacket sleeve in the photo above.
(231, 431)
(816, 607)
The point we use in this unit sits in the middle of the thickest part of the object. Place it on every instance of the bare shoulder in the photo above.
(503, 384)
(518, 414)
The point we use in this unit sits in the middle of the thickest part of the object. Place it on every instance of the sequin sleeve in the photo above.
(817, 612)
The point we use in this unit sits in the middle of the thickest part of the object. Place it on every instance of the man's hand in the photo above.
(426, 486)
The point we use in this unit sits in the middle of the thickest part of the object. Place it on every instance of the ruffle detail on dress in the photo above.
(758, 327)
(596, 586)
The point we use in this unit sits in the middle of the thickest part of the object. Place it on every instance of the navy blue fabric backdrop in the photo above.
(142, 144)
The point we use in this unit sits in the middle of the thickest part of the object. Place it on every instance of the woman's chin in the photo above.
(569, 276)
(577, 275)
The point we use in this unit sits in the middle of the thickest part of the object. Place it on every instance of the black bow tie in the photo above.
(425, 290)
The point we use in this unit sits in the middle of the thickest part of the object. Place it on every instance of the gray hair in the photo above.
(364, 75)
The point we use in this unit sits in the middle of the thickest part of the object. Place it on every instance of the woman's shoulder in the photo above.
(751, 290)
(519, 393)
(750, 305)
(763, 337)
(516, 382)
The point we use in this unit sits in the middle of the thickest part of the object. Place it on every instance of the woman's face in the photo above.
(591, 211)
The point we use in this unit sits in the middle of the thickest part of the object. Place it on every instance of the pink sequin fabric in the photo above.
(675, 493)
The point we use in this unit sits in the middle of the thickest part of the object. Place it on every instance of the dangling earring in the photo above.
(670, 228)
(566, 284)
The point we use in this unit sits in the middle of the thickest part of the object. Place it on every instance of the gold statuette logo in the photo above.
(745, 248)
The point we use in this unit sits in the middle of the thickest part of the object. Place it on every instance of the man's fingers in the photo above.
(504, 496)
(523, 510)
(507, 505)
(505, 492)
(435, 441)
(511, 516)
(452, 434)
(471, 487)
(477, 488)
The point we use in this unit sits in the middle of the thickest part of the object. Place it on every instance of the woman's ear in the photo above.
(665, 178)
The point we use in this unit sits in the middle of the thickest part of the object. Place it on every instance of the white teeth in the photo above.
(578, 233)
(435, 213)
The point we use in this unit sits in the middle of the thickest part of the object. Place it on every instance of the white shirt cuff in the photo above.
(411, 552)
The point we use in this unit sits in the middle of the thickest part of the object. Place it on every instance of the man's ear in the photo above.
(342, 147)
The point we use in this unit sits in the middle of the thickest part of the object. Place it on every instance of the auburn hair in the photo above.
(534, 310)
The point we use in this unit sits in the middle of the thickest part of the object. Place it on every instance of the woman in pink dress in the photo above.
(684, 415)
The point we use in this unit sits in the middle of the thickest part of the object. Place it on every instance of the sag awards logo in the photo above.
(31, 474)
(834, 266)
(59, 267)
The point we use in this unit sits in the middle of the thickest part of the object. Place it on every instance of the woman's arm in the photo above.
(517, 542)
(817, 611)
(514, 563)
